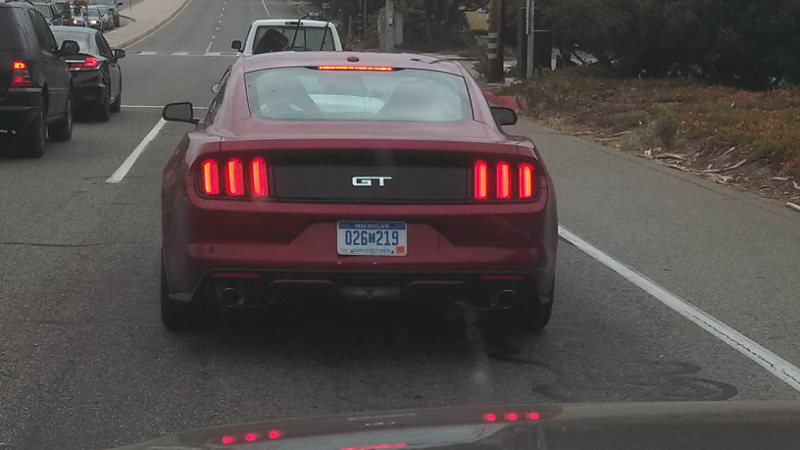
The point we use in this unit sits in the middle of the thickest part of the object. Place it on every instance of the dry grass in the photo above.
(764, 127)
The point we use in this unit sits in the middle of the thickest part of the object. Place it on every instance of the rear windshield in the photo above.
(299, 39)
(10, 31)
(394, 96)
(45, 10)
(81, 38)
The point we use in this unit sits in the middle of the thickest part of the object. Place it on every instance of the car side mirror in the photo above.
(236, 45)
(119, 53)
(504, 116)
(179, 112)
(214, 88)
(69, 47)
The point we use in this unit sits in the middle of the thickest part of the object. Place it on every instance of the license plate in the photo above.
(371, 238)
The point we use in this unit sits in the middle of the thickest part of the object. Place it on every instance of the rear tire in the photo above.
(34, 137)
(195, 316)
(102, 110)
(533, 314)
(116, 106)
(62, 130)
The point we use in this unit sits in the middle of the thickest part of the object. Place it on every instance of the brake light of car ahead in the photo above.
(88, 63)
(503, 181)
(358, 68)
(238, 178)
(21, 76)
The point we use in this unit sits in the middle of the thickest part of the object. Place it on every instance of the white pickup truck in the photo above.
(297, 35)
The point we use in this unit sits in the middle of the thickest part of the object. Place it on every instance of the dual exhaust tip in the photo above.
(230, 293)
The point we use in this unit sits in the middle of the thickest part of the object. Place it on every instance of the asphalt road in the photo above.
(85, 362)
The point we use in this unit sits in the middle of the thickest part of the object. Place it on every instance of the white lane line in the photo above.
(120, 173)
(180, 53)
(741, 343)
(265, 8)
(209, 46)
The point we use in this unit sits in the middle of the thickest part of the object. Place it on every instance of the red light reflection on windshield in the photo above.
(376, 447)
(532, 416)
(489, 417)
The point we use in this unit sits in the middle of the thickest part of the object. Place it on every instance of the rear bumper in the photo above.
(18, 107)
(481, 289)
(448, 245)
(88, 89)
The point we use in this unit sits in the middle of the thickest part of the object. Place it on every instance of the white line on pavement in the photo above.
(265, 8)
(773, 363)
(209, 46)
(120, 173)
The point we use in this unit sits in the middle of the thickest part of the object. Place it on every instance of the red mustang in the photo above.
(363, 175)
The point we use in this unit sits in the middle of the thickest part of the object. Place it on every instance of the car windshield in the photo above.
(387, 96)
(83, 39)
(94, 12)
(302, 38)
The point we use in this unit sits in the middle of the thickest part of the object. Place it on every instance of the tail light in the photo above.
(210, 177)
(503, 181)
(234, 178)
(21, 76)
(88, 63)
(511, 182)
(240, 178)
(525, 181)
(481, 182)
(258, 173)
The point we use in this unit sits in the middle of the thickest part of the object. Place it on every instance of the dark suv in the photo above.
(35, 83)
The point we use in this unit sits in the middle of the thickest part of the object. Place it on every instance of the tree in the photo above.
(743, 43)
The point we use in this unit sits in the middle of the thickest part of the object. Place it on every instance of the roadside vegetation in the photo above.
(743, 138)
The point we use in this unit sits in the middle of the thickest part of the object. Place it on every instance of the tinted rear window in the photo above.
(302, 38)
(392, 96)
(81, 38)
(10, 30)
(45, 10)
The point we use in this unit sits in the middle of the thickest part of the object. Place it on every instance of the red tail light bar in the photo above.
(88, 63)
(240, 178)
(510, 184)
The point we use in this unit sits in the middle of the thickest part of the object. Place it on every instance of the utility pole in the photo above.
(389, 25)
(494, 69)
(531, 33)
